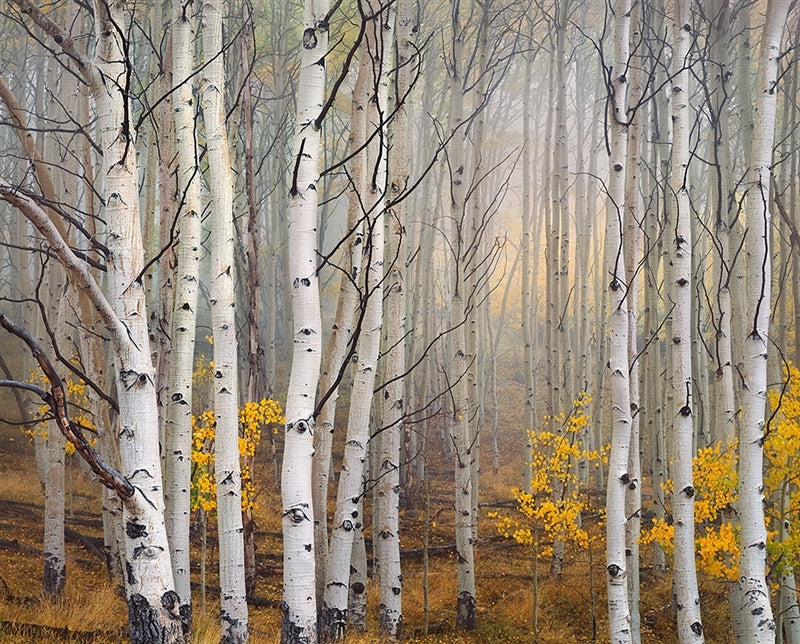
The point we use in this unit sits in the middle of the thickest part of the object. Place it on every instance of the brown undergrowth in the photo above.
(93, 610)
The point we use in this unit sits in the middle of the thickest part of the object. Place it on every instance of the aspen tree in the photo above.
(48, 442)
(690, 628)
(347, 520)
(616, 569)
(723, 201)
(755, 610)
(184, 307)
(460, 415)
(233, 602)
(342, 328)
(152, 601)
(390, 609)
(632, 251)
(299, 596)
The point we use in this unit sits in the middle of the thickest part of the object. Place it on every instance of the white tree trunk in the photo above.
(759, 625)
(299, 596)
(342, 329)
(616, 570)
(687, 597)
(55, 563)
(184, 307)
(390, 611)
(233, 602)
(376, 48)
(460, 415)
(632, 251)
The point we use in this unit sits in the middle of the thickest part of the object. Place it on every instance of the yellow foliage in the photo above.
(252, 418)
(557, 499)
(716, 540)
(77, 400)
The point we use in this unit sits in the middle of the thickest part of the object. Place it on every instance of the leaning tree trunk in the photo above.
(347, 520)
(299, 596)
(616, 571)
(339, 341)
(233, 602)
(753, 593)
(152, 601)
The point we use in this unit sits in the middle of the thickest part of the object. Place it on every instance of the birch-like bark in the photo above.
(184, 307)
(632, 250)
(527, 276)
(152, 602)
(687, 597)
(342, 328)
(619, 616)
(55, 563)
(754, 597)
(347, 520)
(390, 611)
(723, 200)
(460, 415)
(233, 602)
(299, 596)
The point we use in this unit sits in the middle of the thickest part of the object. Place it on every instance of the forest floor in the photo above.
(571, 607)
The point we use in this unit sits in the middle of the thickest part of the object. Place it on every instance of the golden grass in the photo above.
(92, 611)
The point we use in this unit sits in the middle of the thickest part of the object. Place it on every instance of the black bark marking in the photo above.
(466, 612)
(135, 530)
(309, 39)
(55, 575)
(332, 623)
(129, 574)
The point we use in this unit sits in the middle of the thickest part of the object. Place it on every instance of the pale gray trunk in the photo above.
(299, 596)
(233, 602)
(632, 252)
(376, 47)
(618, 478)
(759, 625)
(186, 281)
(687, 596)
(387, 528)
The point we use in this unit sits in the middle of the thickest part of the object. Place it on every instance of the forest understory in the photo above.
(93, 608)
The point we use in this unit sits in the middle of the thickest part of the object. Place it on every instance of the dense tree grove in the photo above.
(382, 216)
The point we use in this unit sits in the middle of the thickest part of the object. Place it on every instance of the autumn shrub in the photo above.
(253, 416)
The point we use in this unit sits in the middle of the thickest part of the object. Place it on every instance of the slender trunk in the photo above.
(184, 308)
(460, 415)
(233, 604)
(632, 251)
(687, 597)
(618, 477)
(376, 46)
(342, 328)
(759, 624)
(390, 611)
(299, 596)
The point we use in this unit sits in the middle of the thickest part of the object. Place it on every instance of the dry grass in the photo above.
(92, 611)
